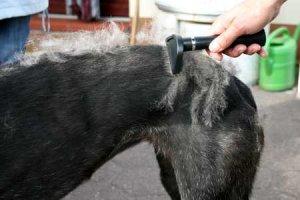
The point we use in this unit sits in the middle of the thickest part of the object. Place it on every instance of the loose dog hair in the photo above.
(64, 114)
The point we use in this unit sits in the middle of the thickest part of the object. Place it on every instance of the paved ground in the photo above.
(279, 175)
(134, 174)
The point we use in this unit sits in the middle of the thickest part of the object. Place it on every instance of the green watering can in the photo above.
(277, 71)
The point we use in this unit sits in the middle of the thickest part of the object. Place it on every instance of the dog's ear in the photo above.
(208, 105)
(209, 80)
(245, 92)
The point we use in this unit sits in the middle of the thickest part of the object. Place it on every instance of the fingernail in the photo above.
(214, 47)
(241, 50)
(216, 57)
(264, 53)
(255, 50)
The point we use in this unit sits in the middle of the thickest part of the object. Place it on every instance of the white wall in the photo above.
(147, 8)
(289, 14)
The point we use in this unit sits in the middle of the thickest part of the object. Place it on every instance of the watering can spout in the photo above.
(297, 33)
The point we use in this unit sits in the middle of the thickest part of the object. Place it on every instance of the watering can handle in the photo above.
(277, 32)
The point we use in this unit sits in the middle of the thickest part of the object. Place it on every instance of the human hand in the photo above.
(248, 17)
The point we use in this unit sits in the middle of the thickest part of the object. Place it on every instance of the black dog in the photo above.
(60, 121)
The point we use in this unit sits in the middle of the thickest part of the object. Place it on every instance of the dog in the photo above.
(62, 119)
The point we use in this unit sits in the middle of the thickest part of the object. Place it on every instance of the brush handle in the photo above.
(198, 43)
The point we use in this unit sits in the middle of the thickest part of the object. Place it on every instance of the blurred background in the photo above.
(163, 17)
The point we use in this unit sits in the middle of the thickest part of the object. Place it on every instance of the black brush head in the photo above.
(175, 52)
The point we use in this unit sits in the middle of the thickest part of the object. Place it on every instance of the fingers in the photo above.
(252, 49)
(263, 53)
(236, 51)
(239, 50)
(242, 49)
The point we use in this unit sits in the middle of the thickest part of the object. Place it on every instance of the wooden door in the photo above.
(114, 8)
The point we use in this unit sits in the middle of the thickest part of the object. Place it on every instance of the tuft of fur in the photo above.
(209, 80)
(77, 43)
(158, 31)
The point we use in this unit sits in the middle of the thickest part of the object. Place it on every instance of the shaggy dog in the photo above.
(66, 114)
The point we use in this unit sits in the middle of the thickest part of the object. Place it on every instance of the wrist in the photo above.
(275, 4)
(273, 7)
(281, 1)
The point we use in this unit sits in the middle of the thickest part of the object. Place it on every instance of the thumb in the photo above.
(224, 40)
